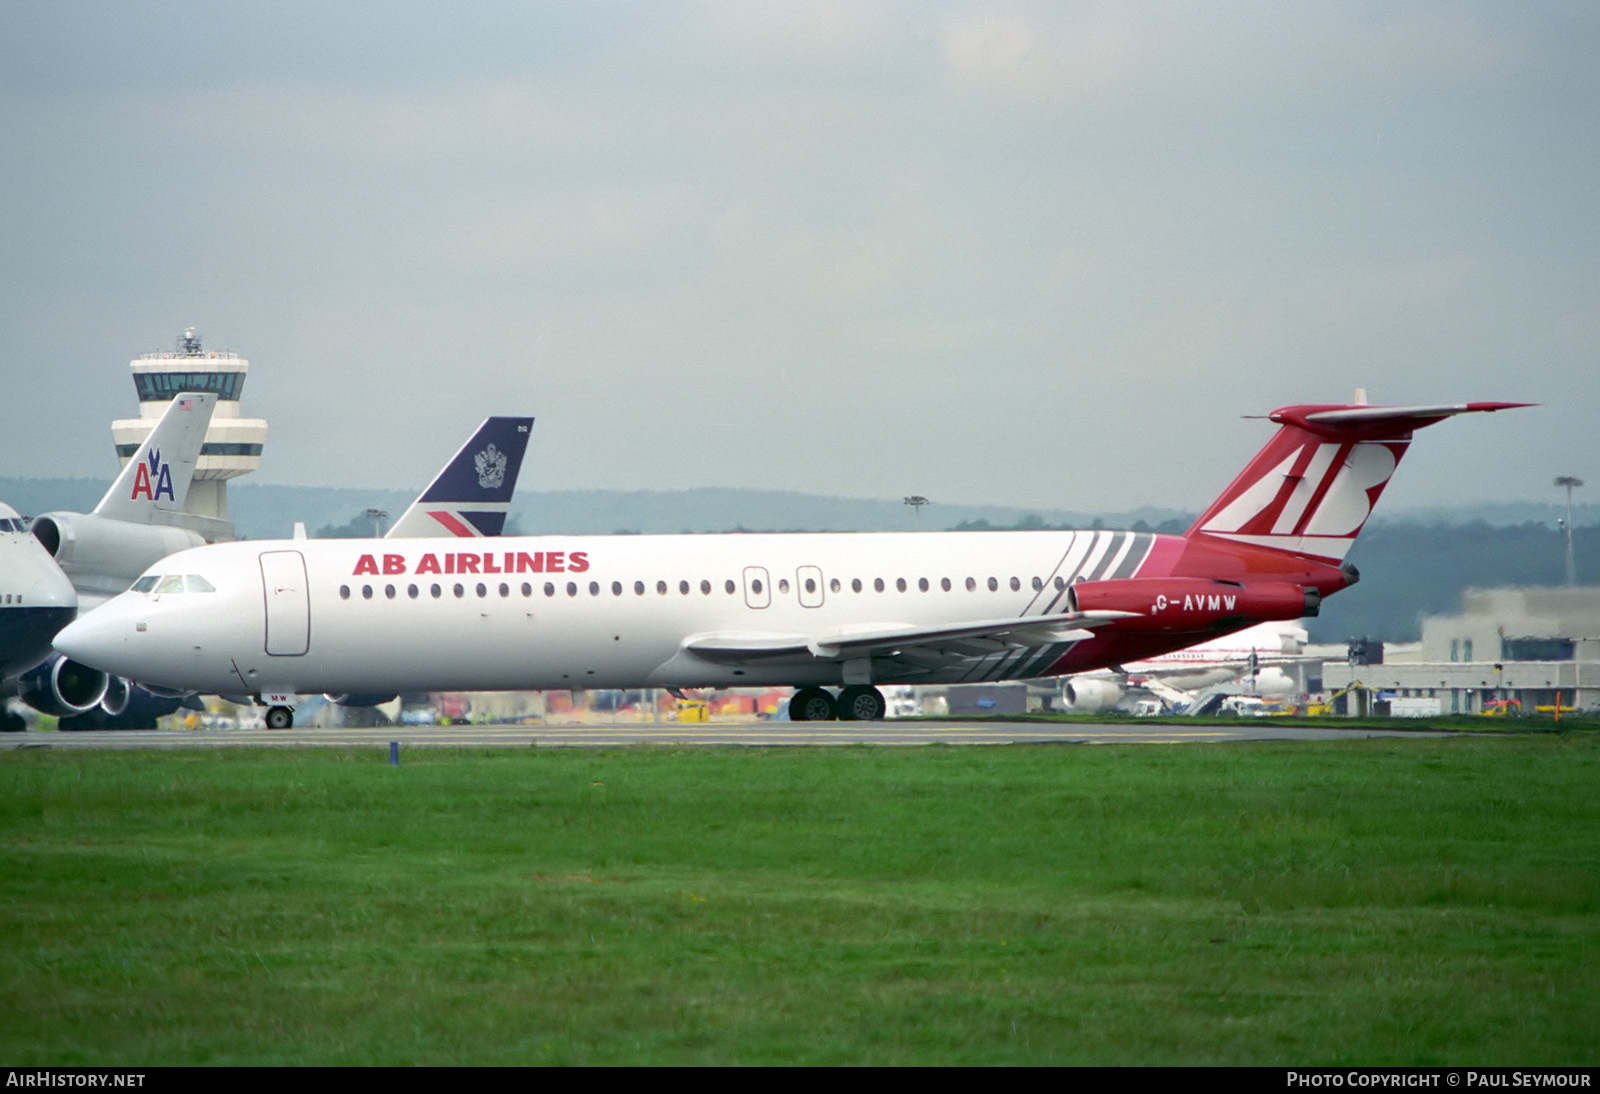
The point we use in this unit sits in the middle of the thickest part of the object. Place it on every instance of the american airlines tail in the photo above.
(156, 480)
(1309, 491)
(472, 494)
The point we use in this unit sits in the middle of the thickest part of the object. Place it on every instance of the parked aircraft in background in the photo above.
(472, 495)
(140, 520)
(813, 611)
(36, 601)
(1260, 653)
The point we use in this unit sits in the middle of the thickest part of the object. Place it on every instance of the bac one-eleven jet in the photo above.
(811, 611)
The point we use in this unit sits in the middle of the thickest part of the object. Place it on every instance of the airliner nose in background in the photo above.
(811, 611)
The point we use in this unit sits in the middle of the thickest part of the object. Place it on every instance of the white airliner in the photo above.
(36, 601)
(1175, 678)
(813, 611)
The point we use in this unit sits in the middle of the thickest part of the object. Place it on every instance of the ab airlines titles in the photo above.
(475, 562)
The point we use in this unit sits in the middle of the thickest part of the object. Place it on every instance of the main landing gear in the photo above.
(857, 703)
(280, 718)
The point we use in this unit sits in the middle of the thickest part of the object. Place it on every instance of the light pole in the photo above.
(377, 516)
(917, 501)
(1569, 481)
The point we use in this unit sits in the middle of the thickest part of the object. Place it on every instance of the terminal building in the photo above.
(233, 444)
(1511, 650)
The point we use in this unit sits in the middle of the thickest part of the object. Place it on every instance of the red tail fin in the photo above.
(1311, 489)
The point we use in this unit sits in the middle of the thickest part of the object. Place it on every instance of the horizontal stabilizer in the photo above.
(1309, 491)
(1374, 422)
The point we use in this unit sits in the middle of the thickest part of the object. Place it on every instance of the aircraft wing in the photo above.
(921, 644)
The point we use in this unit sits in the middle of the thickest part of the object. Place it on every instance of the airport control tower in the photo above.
(233, 444)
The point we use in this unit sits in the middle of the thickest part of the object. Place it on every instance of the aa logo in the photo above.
(153, 480)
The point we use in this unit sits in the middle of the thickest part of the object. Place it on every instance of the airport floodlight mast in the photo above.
(917, 501)
(377, 517)
(1569, 481)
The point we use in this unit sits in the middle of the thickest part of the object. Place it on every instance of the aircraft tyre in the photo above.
(861, 703)
(279, 718)
(13, 723)
(811, 705)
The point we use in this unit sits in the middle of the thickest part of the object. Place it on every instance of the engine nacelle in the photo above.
(361, 700)
(63, 687)
(1192, 603)
(115, 550)
(1092, 694)
(118, 693)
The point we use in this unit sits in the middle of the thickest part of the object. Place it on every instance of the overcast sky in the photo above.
(1035, 254)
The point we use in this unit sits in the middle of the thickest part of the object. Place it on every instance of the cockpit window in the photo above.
(173, 583)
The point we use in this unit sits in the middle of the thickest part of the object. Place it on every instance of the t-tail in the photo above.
(1309, 492)
(472, 494)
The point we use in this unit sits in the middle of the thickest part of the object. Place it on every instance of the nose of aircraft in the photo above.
(86, 640)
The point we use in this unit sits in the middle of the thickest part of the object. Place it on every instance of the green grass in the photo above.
(1373, 902)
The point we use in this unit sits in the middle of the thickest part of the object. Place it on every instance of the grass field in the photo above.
(1361, 902)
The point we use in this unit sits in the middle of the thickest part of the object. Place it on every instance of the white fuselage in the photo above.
(358, 616)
